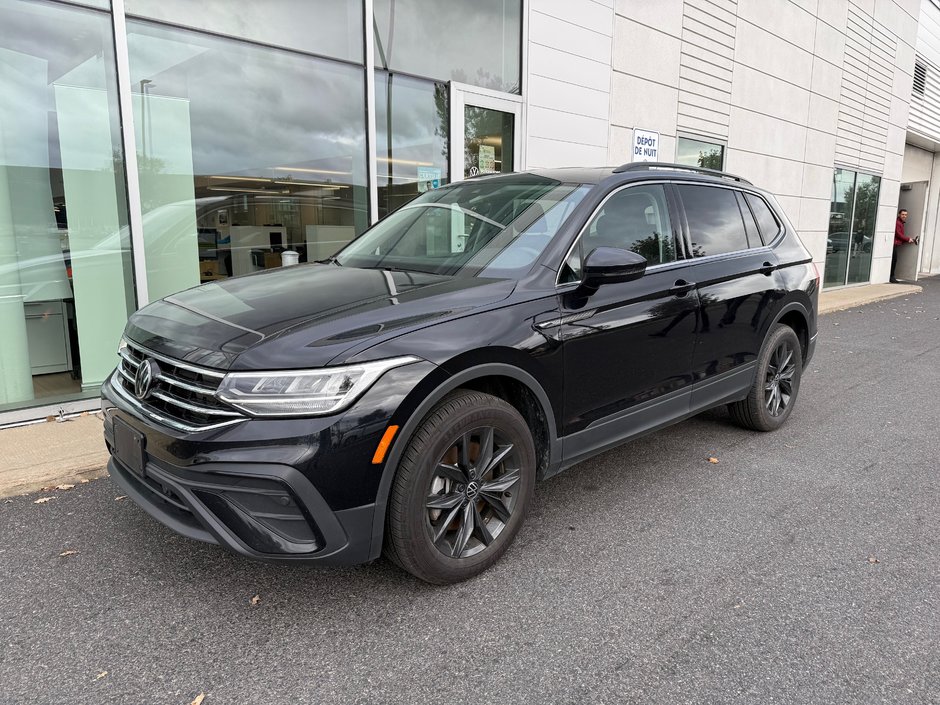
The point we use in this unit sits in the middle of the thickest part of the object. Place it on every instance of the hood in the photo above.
(302, 316)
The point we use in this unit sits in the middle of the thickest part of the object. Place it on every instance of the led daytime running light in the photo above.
(316, 392)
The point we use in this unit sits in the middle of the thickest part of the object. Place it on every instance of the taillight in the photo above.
(816, 270)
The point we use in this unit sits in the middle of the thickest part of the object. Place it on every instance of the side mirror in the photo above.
(609, 265)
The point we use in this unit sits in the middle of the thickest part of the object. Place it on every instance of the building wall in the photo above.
(924, 131)
(568, 82)
(827, 83)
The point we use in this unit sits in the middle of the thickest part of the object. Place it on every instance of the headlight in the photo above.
(303, 392)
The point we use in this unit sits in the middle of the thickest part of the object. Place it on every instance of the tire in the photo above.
(451, 516)
(772, 397)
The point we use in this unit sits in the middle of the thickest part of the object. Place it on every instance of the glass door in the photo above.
(485, 132)
(853, 210)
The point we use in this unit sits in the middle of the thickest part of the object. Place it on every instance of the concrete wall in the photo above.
(568, 82)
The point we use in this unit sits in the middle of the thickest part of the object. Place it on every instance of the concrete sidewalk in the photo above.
(65, 452)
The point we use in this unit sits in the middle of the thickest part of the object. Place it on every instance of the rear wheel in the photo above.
(771, 399)
(462, 489)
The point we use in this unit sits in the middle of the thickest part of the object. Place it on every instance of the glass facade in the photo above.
(412, 129)
(326, 27)
(248, 125)
(243, 151)
(422, 38)
(66, 283)
(852, 216)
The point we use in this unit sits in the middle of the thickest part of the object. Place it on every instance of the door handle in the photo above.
(681, 287)
(766, 268)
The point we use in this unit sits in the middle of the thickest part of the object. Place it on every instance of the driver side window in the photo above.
(635, 218)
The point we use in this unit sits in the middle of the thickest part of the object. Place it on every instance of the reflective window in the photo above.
(635, 219)
(243, 152)
(477, 43)
(473, 228)
(715, 224)
(324, 27)
(488, 141)
(851, 228)
(66, 284)
(708, 155)
(415, 160)
(766, 221)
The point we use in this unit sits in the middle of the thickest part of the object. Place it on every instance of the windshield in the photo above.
(488, 228)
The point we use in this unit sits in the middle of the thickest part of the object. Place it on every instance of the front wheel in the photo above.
(771, 399)
(462, 489)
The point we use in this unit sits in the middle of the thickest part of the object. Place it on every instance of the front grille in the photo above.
(181, 396)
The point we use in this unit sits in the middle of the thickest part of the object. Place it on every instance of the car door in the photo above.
(627, 346)
(737, 287)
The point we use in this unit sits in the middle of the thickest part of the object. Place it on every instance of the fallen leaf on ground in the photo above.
(872, 559)
(119, 498)
(85, 481)
(64, 487)
(43, 500)
(101, 675)
(199, 699)
(255, 600)
(68, 553)
(714, 461)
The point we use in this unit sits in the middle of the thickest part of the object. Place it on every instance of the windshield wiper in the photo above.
(329, 260)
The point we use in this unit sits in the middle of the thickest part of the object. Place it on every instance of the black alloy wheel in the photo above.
(777, 382)
(472, 495)
(462, 488)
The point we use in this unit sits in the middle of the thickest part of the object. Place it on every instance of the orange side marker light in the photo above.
(384, 444)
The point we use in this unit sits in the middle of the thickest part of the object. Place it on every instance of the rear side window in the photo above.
(715, 224)
(768, 224)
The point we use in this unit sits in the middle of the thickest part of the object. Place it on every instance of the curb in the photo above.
(844, 299)
(73, 477)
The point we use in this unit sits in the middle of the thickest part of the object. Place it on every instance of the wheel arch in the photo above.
(795, 315)
(506, 381)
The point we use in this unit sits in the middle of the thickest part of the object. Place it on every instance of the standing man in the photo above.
(899, 239)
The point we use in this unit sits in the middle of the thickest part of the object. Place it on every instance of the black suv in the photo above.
(406, 394)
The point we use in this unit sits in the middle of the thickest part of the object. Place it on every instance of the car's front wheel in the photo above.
(462, 489)
(771, 398)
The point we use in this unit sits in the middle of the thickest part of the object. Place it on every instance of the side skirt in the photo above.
(654, 415)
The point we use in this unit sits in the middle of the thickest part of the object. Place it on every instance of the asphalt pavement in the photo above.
(802, 567)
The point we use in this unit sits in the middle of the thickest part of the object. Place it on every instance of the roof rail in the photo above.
(638, 166)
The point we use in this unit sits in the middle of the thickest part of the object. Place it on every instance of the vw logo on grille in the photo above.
(147, 373)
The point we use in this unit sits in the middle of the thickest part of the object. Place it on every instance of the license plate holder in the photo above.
(129, 447)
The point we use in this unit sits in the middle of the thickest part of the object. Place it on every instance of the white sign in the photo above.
(645, 146)
(487, 159)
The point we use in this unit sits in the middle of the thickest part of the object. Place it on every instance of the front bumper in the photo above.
(258, 510)
(270, 489)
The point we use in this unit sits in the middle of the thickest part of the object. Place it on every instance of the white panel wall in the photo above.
(925, 106)
(569, 56)
(793, 87)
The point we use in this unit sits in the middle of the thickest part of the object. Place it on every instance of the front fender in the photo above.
(419, 404)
